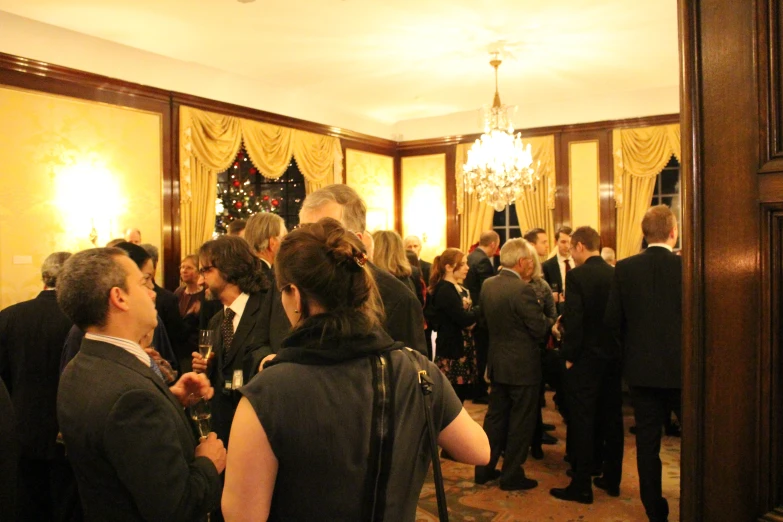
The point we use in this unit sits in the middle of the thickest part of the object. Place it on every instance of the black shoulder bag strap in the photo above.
(426, 384)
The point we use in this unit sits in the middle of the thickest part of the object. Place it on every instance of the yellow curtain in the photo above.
(209, 142)
(639, 156)
(535, 209)
(475, 216)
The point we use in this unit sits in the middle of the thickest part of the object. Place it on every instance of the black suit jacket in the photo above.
(551, 271)
(517, 324)
(479, 270)
(426, 270)
(241, 357)
(451, 318)
(130, 444)
(32, 335)
(274, 325)
(645, 309)
(404, 317)
(167, 306)
(9, 457)
(583, 319)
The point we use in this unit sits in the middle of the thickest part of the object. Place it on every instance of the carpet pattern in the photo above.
(469, 502)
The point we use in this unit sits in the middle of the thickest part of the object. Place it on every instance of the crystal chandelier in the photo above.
(499, 168)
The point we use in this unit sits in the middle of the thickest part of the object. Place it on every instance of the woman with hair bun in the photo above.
(337, 415)
(452, 314)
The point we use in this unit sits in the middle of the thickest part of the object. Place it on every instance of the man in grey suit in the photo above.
(517, 324)
(133, 451)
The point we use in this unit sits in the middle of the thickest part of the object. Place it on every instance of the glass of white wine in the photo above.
(201, 414)
(206, 339)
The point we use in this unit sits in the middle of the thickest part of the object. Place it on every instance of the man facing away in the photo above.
(517, 324)
(32, 334)
(592, 378)
(480, 268)
(404, 317)
(645, 309)
(133, 451)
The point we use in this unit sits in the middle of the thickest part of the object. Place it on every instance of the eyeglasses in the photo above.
(204, 269)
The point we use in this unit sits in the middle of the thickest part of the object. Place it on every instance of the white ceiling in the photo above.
(390, 62)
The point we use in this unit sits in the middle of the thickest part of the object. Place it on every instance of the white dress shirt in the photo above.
(561, 263)
(238, 306)
(129, 346)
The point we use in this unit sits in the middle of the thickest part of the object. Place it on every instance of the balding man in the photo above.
(404, 317)
(413, 243)
(133, 235)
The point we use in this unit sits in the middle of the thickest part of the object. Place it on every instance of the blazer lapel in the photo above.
(246, 324)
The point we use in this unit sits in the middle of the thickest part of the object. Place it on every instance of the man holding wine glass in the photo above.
(133, 451)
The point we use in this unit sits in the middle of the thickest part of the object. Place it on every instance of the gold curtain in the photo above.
(639, 156)
(475, 216)
(535, 209)
(209, 142)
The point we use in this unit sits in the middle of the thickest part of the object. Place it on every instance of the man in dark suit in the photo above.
(592, 379)
(480, 268)
(517, 324)
(413, 243)
(233, 274)
(264, 232)
(404, 316)
(645, 309)
(32, 335)
(9, 457)
(133, 451)
(556, 267)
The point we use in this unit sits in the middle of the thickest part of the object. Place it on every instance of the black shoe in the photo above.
(536, 452)
(548, 427)
(481, 400)
(601, 483)
(546, 438)
(484, 475)
(572, 495)
(594, 473)
(518, 484)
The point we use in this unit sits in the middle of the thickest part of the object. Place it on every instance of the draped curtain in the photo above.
(639, 156)
(209, 142)
(535, 209)
(475, 216)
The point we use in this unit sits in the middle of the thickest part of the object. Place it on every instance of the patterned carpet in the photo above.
(472, 503)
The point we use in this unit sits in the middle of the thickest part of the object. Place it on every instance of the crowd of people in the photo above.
(317, 338)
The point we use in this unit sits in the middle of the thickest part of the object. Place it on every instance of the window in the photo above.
(242, 191)
(667, 192)
(506, 224)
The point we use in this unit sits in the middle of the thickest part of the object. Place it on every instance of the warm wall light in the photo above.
(425, 217)
(378, 219)
(90, 201)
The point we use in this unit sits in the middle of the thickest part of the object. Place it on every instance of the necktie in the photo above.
(567, 264)
(227, 328)
(155, 368)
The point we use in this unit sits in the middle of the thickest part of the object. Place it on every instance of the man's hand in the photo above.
(200, 364)
(212, 448)
(569, 364)
(265, 359)
(192, 383)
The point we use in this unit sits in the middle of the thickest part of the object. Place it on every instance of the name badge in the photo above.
(238, 380)
(227, 385)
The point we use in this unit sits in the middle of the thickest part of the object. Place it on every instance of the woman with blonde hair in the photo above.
(338, 413)
(390, 256)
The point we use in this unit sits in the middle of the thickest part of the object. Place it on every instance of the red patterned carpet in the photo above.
(471, 503)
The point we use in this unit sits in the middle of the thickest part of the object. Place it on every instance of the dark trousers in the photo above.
(481, 338)
(595, 430)
(509, 424)
(47, 491)
(651, 406)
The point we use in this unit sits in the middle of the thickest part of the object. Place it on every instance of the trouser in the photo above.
(481, 338)
(47, 491)
(595, 429)
(651, 406)
(509, 424)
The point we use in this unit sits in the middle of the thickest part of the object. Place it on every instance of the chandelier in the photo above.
(499, 168)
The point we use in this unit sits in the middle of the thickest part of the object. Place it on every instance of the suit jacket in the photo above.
(130, 444)
(167, 305)
(552, 275)
(404, 317)
(583, 319)
(274, 325)
(645, 309)
(32, 335)
(426, 270)
(479, 270)
(451, 318)
(9, 457)
(241, 357)
(517, 324)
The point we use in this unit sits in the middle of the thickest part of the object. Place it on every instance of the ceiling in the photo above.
(395, 61)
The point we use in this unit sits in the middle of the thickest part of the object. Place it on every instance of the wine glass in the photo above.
(206, 339)
(201, 414)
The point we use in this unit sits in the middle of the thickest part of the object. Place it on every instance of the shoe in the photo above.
(548, 427)
(673, 430)
(481, 400)
(601, 483)
(572, 495)
(518, 484)
(536, 452)
(546, 438)
(594, 473)
(484, 475)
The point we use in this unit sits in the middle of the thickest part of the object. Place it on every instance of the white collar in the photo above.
(129, 346)
(267, 263)
(561, 259)
(662, 245)
(239, 304)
